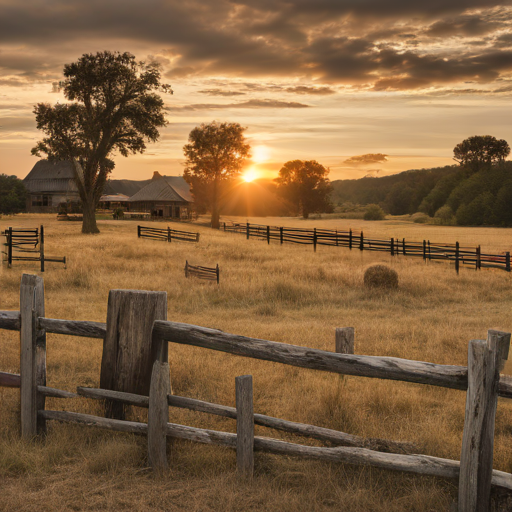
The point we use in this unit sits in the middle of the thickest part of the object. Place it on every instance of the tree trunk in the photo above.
(89, 222)
(215, 207)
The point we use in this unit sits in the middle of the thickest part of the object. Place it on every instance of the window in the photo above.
(41, 200)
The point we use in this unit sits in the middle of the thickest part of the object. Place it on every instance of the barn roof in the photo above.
(48, 176)
(167, 188)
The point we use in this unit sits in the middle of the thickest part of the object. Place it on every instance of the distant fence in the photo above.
(208, 273)
(460, 255)
(480, 378)
(167, 235)
(22, 241)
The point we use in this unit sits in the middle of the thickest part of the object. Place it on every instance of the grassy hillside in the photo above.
(283, 293)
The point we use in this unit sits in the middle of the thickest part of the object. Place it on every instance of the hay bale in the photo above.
(380, 276)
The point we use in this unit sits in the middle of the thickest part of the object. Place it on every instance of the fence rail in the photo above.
(167, 235)
(480, 378)
(471, 256)
(26, 240)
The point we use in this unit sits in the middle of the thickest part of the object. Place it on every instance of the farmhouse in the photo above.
(164, 196)
(50, 184)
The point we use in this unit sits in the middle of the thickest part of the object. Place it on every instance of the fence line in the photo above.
(207, 273)
(26, 240)
(167, 235)
(461, 255)
(482, 381)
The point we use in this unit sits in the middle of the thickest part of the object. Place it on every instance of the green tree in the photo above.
(113, 107)
(398, 200)
(215, 156)
(481, 150)
(306, 185)
(374, 212)
(13, 194)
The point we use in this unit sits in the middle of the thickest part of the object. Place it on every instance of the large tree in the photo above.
(481, 150)
(13, 194)
(306, 185)
(112, 107)
(215, 156)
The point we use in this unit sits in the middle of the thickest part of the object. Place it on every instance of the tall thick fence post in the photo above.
(128, 352)
(32, 355)
(158, 413)
(345, 340)
(507, 261)
(41, 247)
(138, 231)
(457, 257)
(244, 426)
(9, 248)
(248, 231)
(485, 360)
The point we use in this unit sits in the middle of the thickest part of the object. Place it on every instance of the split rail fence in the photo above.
(167, 235)
(22, 241)
(207, 273)
(460, 255)
(480, 379)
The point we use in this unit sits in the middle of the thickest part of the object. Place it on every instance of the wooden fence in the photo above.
(460, 255)
(167, 235)
(481, 380)
(22, 241)
(207, 273)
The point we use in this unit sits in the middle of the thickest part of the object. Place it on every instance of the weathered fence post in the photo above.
(217, 271)
(268, 234)
(138, 231)
(128, 354)
(41, 247)
(169, 237)
(424, 250)
(345, 340)
(32, 355)
(403, 247)
(392, 246)
(361, 242)
(248, 231)
(429, 257)
(281, 234)
(244, 426)
(457, 257)
(485, 360)
(158, 413)
(9, 249)
(507, 261)
(224, 226)
(478, 263)
(314, 239)
(350, 239)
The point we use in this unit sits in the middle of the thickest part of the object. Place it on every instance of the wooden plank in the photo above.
(55, 393)
(32, 355)
(10, 380)
(365, 366)
(120, 396)
(484, 362)
(244, 426)
(345, 340)
(74, 327)
(10, 320)
(158, 417)
(128, 351)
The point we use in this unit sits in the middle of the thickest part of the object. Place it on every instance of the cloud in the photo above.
(302, 89)
(367, 159)
(243, 104)
(220, 92)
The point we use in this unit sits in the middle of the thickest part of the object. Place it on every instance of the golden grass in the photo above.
(282, 293)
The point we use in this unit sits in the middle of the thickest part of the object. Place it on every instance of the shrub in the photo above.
(420, 218)
(380, 276)
(374, 212)
(444, 216)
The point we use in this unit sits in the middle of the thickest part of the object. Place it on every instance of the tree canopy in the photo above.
(215, 155)
(13, 194)
(305, 185)
(112, 107)
(481, 149)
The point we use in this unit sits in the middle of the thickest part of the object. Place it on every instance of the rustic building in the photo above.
(50, 185)
(164, 196)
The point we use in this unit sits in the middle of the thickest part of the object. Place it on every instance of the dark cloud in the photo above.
(243, 104)
(220, 92)
(302, 89)
(369, 158)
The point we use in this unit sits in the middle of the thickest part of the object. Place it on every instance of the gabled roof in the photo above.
(48, 176)
(167, 188)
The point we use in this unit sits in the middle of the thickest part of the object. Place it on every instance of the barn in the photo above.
(166, 197)
(50, 184)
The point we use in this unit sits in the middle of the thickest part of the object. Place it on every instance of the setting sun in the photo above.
(250, 175)
(260, 154)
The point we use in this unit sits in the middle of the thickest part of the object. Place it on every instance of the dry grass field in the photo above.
(281, 293)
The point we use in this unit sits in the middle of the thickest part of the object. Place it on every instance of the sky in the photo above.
(365, 87)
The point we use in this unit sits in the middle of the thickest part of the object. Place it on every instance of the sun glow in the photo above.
(250, 175)
(260, 154)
